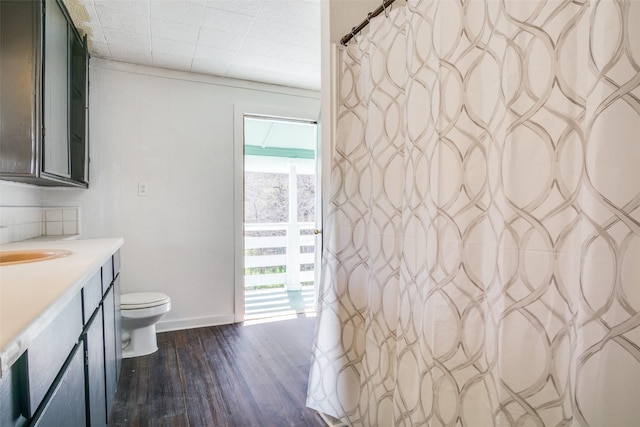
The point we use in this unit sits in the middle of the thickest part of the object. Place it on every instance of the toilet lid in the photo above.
(143, 300)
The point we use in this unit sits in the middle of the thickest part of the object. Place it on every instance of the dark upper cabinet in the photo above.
(43, 95)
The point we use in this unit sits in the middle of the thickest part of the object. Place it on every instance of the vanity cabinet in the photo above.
(43, 95)
(69, 373)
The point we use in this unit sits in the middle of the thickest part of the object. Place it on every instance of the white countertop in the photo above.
(33, 294)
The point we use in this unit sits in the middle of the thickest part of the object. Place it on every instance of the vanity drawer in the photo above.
(116, 263)
(91, 297)
(107, 275)
(48, 352)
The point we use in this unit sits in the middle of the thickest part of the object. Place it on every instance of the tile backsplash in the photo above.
(60, 221)
(26, 222)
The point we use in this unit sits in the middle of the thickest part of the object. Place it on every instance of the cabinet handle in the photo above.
(316, 231)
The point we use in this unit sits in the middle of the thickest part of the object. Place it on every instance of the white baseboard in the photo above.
(194, 322)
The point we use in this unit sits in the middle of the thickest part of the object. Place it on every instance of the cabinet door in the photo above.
(13, 395)
(17, 103)
(110, 347)
(79, 110)
(66, 405)
(91, 297)
(118, 318)
(95, 379)
(56, 69)
(107, 275)
(48, 352)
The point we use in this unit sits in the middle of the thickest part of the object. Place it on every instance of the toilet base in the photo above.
(141, 342)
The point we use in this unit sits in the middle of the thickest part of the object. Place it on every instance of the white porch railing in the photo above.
(290, 258)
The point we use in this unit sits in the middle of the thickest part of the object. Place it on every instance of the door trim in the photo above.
(240, 110)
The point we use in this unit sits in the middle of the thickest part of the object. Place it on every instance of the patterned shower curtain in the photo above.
(482, 248)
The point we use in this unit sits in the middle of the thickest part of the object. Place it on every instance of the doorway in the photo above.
(279, 206)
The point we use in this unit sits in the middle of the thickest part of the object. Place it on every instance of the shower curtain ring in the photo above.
(369, 17)
(384, 7)
(353, 34)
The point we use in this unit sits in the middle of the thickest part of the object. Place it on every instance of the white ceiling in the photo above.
(271, 41)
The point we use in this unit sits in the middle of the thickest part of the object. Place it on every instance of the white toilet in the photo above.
(140, 312)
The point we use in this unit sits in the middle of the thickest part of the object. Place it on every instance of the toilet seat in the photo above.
(140, 300)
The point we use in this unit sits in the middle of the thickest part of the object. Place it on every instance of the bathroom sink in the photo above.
(34, 255)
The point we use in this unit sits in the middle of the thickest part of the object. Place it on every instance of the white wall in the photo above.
(343, 15)
(173, 131)
(19, 219)
(17, 194)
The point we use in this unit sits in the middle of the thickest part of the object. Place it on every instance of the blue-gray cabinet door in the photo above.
(110, 347)
(66, 404)
(95, 379)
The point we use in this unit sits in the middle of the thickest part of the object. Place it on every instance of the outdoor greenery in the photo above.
(266, 197)
(306, 198)
(265, 270)
(267, 201)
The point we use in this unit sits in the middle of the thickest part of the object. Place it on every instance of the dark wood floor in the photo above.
(232, 375)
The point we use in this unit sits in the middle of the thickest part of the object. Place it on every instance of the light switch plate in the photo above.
(143, 189)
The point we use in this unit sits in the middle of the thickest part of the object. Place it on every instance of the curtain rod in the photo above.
(355, 30)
